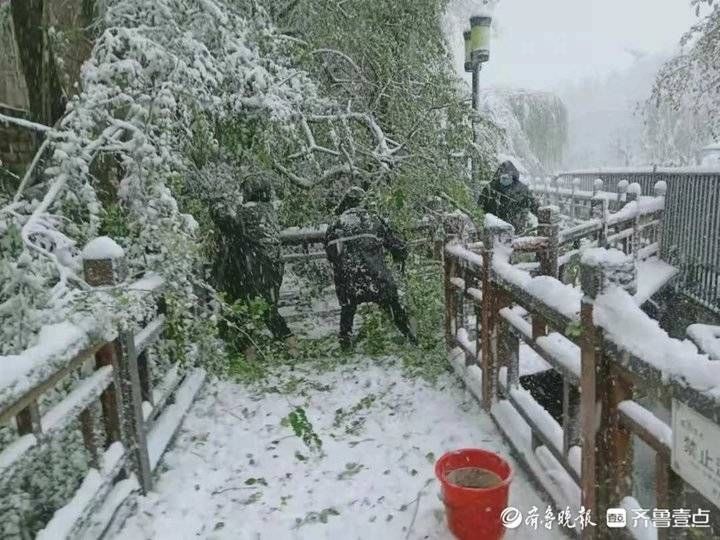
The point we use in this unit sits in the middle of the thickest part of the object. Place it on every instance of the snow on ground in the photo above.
(238, 470)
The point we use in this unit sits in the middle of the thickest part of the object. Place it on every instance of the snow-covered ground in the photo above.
(239, 471)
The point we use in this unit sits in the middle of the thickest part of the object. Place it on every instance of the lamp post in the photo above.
(477, 52)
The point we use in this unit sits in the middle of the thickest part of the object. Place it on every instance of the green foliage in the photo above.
(389, 57)
(114, 223)
(303, 429)
(574, 330)
(316, 517)
(424, 299)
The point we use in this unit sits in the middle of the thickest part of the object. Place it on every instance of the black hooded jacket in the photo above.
(355, 245)
(509, 203)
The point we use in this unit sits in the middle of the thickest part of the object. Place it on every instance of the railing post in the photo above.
(597, 186)
(558, 197)
(450, 265)
(28, 420)
(134, 422)
(104, 268)
(634, 191)
(622, 188)
(660, 190)
(493, 235)
(572, 435)
(549, 226)
(599, 211)
(573, 202)
(104, 265)
(606, 466)
(547, 191)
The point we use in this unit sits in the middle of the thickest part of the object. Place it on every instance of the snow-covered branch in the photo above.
(25, 124)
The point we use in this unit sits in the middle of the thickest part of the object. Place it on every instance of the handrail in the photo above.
(567, 330)
(121, 381)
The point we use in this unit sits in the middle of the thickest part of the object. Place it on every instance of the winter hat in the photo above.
(507, 167)
(353, 197)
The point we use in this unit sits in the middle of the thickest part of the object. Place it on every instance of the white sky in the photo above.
(541, 44)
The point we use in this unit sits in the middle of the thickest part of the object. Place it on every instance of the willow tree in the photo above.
(683, 112)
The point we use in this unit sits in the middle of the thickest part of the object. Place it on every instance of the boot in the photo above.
(345, 342)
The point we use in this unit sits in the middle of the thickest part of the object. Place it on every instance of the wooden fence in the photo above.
(627, 221)
(585, 460)
(138, 420)
(692, 238)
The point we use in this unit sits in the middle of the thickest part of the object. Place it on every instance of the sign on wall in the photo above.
(696, 450)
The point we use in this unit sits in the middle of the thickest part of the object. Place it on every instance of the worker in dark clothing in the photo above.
(355, 245)
(249, 262)
(508, 198)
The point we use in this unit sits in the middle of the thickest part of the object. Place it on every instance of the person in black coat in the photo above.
(508, 198)
(249, 263)
(355, 245)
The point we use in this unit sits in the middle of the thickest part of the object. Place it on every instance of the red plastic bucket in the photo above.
(474, 513)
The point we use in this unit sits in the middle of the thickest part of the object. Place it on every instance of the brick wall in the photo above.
(17, 145)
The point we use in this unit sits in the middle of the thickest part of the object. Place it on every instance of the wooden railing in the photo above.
(631, 223)
(585, 460)
(308, 243)
(692, 239)
(137, 419)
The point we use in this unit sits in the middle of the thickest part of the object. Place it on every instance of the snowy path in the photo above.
(238, 471)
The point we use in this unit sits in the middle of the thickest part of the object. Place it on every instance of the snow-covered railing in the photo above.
(635, 227)
(606, 351)
(691, 220)
(136, 422)
(575, 204)
(307, 243)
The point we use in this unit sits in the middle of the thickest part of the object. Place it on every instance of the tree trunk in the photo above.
(45, 95)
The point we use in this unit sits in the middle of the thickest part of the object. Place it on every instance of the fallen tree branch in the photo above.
(26, 124)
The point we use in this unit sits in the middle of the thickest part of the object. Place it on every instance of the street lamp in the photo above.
(468, 51)
(477, 52)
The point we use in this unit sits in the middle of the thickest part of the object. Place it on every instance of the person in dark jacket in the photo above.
(508, 198)
(249, 262)
(355, 245)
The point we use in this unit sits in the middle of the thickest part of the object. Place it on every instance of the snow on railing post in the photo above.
(606, 464)
(599, 211)
(597, 186)
(634, 192)
(549, 227)
(104, 265)
(622, 188)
